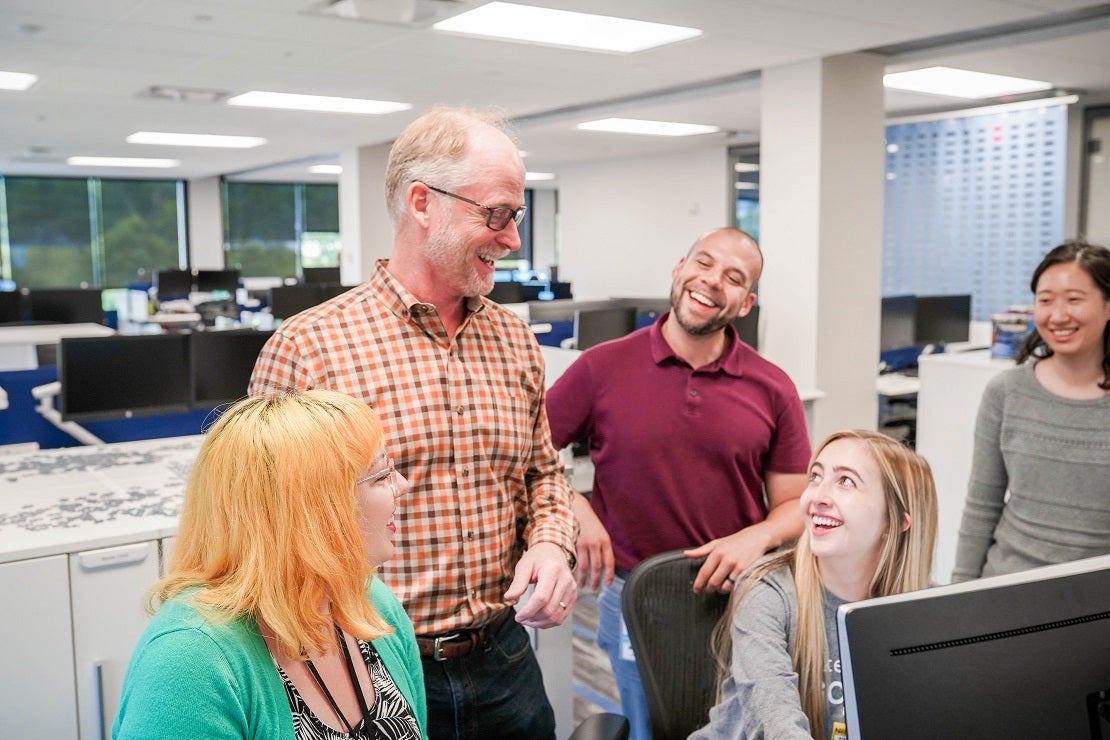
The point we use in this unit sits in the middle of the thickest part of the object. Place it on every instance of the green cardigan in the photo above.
(191, 678)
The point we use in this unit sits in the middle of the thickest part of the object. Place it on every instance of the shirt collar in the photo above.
(731, 362)
(403, 303)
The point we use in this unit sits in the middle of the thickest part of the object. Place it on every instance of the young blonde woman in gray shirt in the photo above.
(871, 519)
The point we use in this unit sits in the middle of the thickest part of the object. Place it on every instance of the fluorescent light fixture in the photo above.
(16, 80)
(534, 25)
(121, 162)
(207, 140)
(318, 103)
(646, 128)
(961, 83)
(536, 176)
(746, 167)
(326, 169)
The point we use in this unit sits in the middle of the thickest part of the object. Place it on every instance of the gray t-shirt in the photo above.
(760, 697)
(1039, 491)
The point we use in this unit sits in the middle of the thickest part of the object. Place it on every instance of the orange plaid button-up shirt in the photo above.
(465, 420)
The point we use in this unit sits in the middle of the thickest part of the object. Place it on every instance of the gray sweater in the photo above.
(759, 700)
(1053, 456)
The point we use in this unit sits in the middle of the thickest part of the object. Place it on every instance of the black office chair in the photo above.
(670, 627)
(602, 726)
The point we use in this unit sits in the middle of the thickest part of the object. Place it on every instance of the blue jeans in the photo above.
(611, 632)
(494, 692)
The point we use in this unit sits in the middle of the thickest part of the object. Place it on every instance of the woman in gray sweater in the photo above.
(1039, 491)
(871, 519)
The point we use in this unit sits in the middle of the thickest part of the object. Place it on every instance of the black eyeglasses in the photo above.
(497, 218)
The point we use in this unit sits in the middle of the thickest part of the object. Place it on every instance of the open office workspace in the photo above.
(857, 193)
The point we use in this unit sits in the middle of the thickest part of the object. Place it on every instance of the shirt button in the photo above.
(465, 472)
(470, 535)
(693, 393)
(460, 410)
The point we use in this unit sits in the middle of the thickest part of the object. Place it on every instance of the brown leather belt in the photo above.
(460, 642)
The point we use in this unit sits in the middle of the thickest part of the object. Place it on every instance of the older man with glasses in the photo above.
(458, 383)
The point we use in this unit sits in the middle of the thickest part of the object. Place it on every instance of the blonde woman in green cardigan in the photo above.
(271, 622)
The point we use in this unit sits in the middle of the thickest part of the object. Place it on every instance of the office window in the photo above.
(63, 232)
(972, 204)
(275, 229)
(744, 162)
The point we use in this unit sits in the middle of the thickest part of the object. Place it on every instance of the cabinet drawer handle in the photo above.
(112, 556)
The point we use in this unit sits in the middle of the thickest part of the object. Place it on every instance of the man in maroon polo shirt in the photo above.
(698, 443)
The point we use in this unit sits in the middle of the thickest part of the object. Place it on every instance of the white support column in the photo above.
(821, 209)
(364, 226)
(205, 224)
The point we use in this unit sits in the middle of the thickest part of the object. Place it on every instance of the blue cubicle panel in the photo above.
(20, 422)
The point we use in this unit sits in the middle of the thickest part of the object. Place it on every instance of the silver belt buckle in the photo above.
(437, 646)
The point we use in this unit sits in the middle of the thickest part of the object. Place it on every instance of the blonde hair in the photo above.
(434, 149)
(905, 561)
(269, 526)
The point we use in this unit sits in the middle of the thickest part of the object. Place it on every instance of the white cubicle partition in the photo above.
(947, 403)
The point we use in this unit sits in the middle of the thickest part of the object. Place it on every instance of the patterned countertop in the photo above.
(80, 498)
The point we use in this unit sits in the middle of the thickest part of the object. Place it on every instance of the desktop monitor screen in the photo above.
(11, 306)
(66, 305)
(1019, 657)
(123, 376)
(942, 318)
(595, 326)
(287, 300)
(331, 290)
(317, 275)
(210, 281)
(173, 284)
(221, 364)
(506, 292)
(898, 324)
(747, 326)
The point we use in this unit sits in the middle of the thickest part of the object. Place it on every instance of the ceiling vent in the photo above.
(397, 12)
(175, 94)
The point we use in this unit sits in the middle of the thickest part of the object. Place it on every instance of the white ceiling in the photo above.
(94, 58)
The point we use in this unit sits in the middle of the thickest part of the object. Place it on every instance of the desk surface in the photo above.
(50, 333)
(80, 498)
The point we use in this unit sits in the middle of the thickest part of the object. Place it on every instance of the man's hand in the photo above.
(726, 558)
(595, 549)
(544, 564)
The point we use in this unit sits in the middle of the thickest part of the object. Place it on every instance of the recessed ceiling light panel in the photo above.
(326, 169)
(961, 83)
(218, 141)
(16, 80)
(121, 162)
(318, 103)
(647, 128)
(564, 28)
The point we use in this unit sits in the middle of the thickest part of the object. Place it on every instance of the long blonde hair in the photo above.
(269, 525)
(905, 561)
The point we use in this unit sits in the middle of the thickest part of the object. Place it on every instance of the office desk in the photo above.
(951, 388)
(83, 531)
(17, 343)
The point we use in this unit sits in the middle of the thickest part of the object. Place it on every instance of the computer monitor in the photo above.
(11, 306)
(319, 275)
(506, 292)
(118, 377)
(211, 281)
(287, 300)
(331, 290)
(1019, 657)
(898, 324)
(172, 284)
(594, 326)
(221, 363)
(747, 326)
(942, 318)
(66, 305)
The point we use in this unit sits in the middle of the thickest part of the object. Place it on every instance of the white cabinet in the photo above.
(36, 671)
(108, 589)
